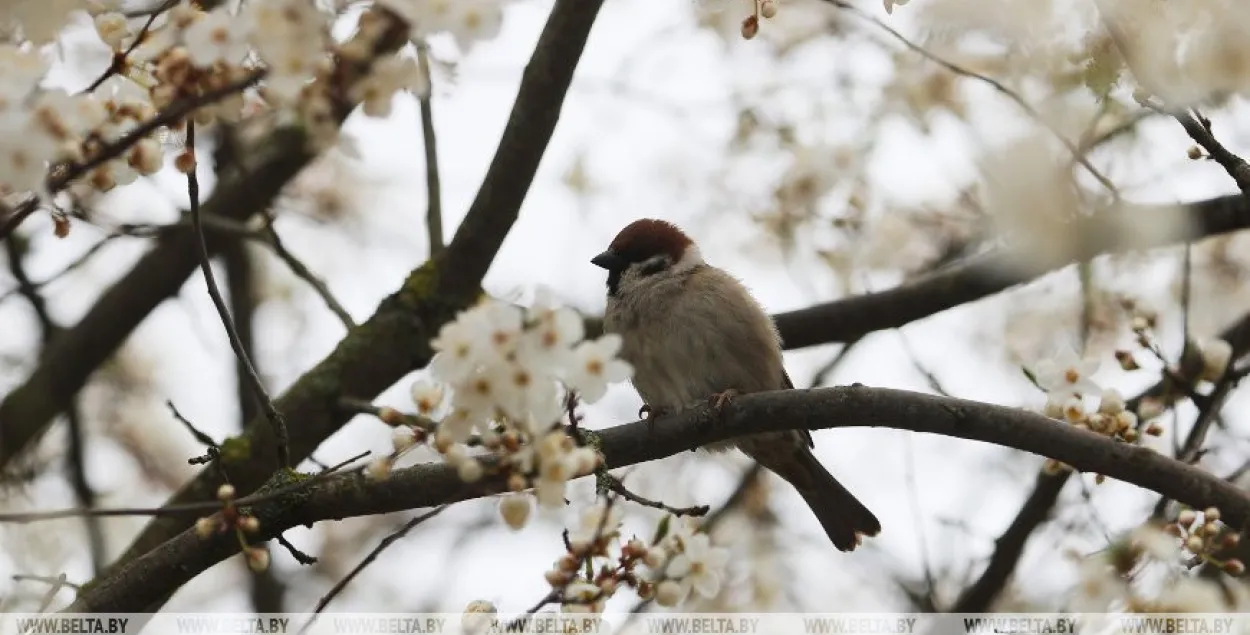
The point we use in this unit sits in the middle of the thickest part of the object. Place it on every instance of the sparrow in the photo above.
(693, 333)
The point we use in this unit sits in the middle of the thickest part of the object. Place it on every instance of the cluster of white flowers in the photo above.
(509, 371)
(1109, 579)
(467, 21)
(1067, 380)
(690, 563)
(679, 560)
(188, 53)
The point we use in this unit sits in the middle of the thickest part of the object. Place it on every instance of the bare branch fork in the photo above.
(140, 581)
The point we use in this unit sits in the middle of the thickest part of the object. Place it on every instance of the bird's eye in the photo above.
(653, 266)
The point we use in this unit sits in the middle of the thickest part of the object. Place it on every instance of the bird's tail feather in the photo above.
(843, 517)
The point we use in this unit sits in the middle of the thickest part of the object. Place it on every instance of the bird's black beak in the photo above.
(609, 261)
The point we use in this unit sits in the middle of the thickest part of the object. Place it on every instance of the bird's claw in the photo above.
(718, 400)
(649, 414)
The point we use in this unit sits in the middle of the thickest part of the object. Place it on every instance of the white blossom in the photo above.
(390, 75)
(25, 152)
(467, 21)
(595, 365)
(402, 438)
(699, 566)
(1066, 374)
(1216, 354)
(427, 396)
(217, 37)
(600, 520)
(583, 597)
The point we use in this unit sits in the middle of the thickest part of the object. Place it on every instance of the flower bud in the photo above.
(250, 524)
(185, 162)
(257, 558)
(402, 438)
(655, 558)
(1126, 360)
(608, 586)
(669, 593)
(1194, 153)
(1211, 514)
(470, 470)
(768, 9)
(205, 527)
(557, 578)
(1112, 402)
(515, 510)
(750, 27)
(1186, 517)
(225, 492)
(1234, 567)
(1194, 544)
(378, 469)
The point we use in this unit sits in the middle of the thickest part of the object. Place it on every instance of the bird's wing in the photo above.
(806, 435)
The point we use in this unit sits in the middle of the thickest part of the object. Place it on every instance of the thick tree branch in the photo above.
(173, 563)
(395, 340)
(978, 277)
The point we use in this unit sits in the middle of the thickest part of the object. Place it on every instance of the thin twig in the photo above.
(998, 86)
(617, 486)
(823, 373)
(200, 436)
(557, 592)
(60, 583)
(1199, 129)
(295, 552)
(281, 438)
(373, 555)
(56, 581)
(118, 64)
(182, 509)
(304, 273)
(433, 186)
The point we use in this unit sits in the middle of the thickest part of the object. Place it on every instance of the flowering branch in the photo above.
(176, 561)
(1078, 154)
(395, 340)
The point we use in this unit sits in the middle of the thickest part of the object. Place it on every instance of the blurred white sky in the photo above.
(645, 62)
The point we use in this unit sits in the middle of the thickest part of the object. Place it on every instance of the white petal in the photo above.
(707, 584)
(678, 567)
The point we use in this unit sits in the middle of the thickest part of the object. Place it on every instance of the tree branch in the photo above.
(433, 185)
(395, 340)
(176, 561)
(978, 277)
(26, 411)
(1037, 508)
